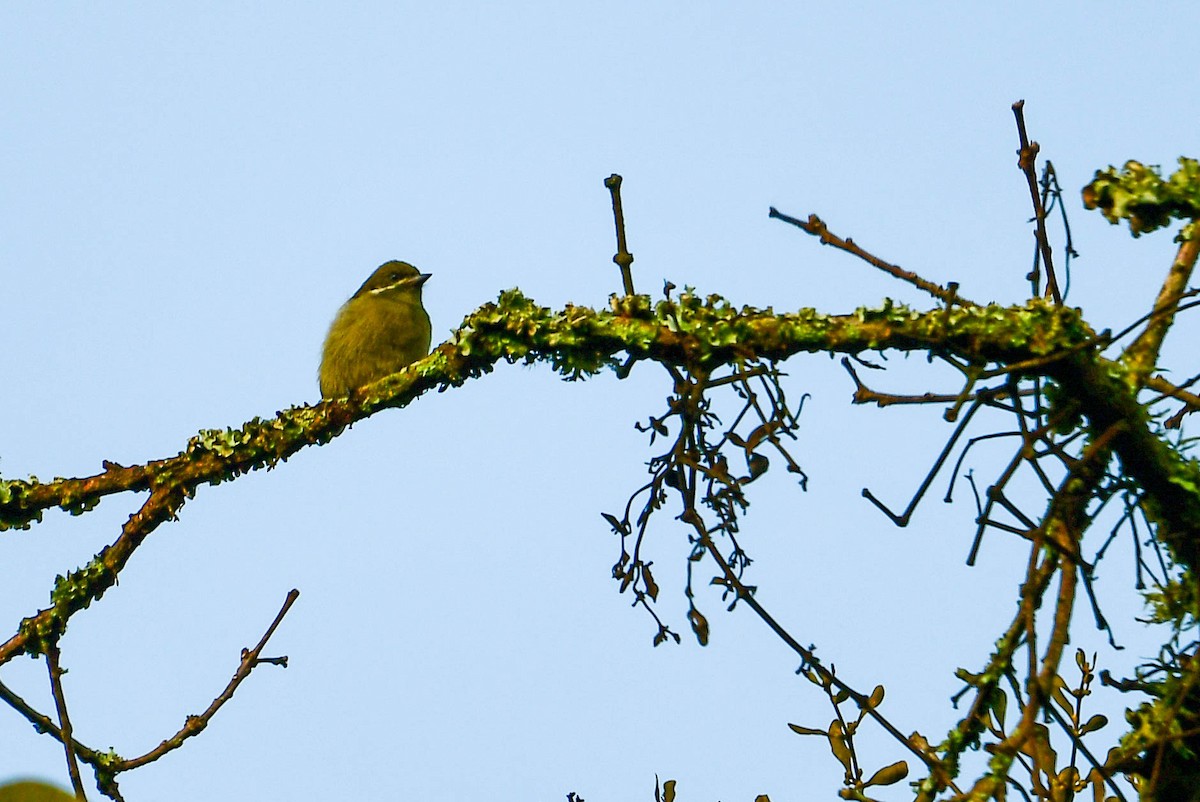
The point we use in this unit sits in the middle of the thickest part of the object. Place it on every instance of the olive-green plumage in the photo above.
(381, 329)
(33, 791)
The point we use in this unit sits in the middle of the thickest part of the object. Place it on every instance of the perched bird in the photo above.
(381, 329)
(33, 791)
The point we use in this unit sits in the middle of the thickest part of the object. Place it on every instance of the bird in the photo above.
(382, 329)
(33, 791)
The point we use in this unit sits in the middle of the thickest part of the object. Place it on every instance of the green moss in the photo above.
(1139, 194)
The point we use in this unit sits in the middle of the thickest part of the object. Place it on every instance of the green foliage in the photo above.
(1174, 603)
(1138, 193)
(12, 497)
(73, 592)
(1164, 731)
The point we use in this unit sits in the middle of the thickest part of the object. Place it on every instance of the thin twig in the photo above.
(1055, 194)
(806, 655)
(1191, 401)
(195, 724)
(623, 257)
(60, 703)
(1027, 156)
(865, 395)
(903, 519)
(816, 226)
(1168, 309)
(102, 761)
(43, 723)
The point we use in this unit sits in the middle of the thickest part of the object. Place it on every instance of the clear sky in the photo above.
(188, 194)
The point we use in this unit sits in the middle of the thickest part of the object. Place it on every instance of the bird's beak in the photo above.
(408, 281)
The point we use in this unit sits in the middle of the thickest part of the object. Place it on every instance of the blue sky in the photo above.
(188, 196)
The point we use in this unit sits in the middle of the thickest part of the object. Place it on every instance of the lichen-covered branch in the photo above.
(576, 341)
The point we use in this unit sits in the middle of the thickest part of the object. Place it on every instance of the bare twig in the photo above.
(623, 257)
(43, 723)
(865, 395)
(1052, 197)
(1169, 308)
(195, 724)
(1027, 156)
(104, 763)
(745, 594)
(816, 226)
(64, 720)
(904, 518)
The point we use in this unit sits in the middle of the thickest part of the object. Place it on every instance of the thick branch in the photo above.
(74, 593)
(1142, 355)
(1162, 472)
(578, 342)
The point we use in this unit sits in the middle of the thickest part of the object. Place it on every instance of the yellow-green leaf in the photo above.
(839, 747)
(889, 775)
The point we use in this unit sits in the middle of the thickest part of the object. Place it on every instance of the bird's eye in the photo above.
(395, 276)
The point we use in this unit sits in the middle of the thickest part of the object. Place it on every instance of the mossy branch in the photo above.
(578, 342)
(688, 330)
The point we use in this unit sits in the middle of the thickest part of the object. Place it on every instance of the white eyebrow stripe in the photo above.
(392, 286)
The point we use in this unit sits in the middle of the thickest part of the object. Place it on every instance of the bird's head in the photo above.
(393, 278)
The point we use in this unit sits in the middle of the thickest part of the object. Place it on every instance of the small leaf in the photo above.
(720, 471)
(967, 677)
(1000, 707)
(758, 434)
(1094, 723)
(619, 527)
(699, 625)
(1060, 696)
(796, 728)
(1069, 778)
(1096, 778)
(626, 581)
(651, 585)
(758, 465)
(918, 741)
(839, 747)
(876, 697)
(889, 775)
